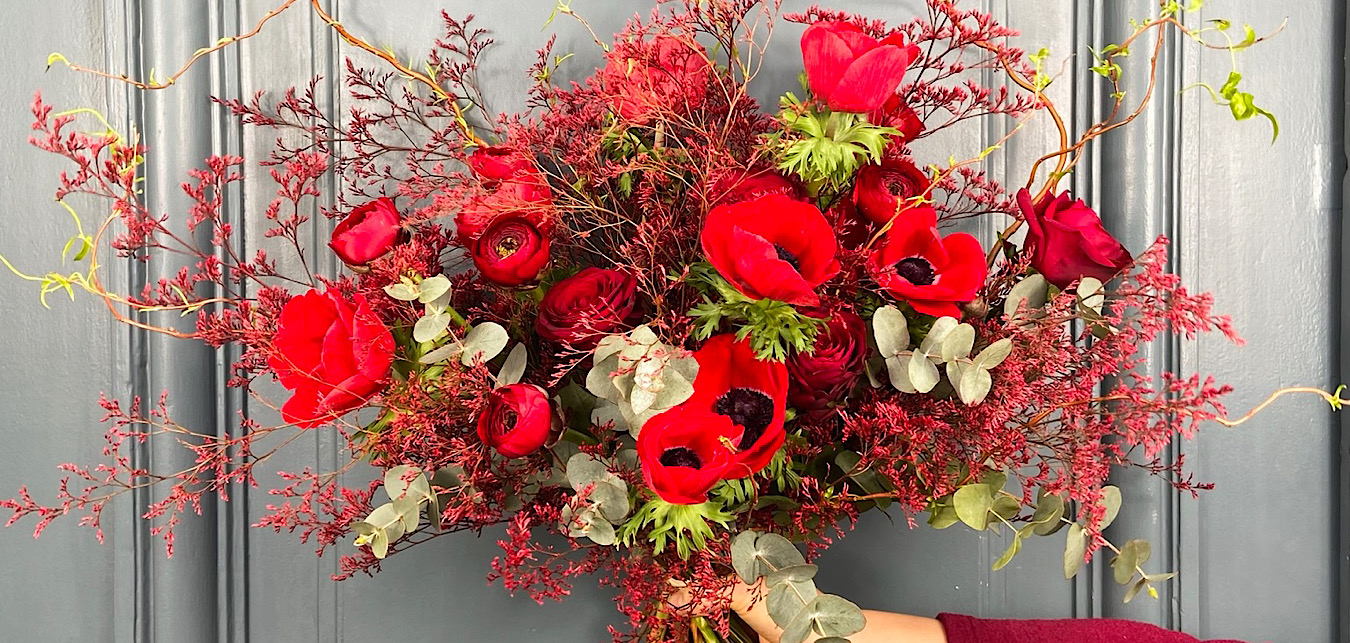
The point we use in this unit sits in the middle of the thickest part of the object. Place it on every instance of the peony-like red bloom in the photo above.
(517, 420)
(1067, 241)
(684, 453)
(732, 382)
(367, 233)
(748, 185)
(514, 187)
(825, 376)
(497, 163)
(773, 247)
(667, 73)
(511, 252)
(334, 354)
(934, 274)
(851, 71)
(581, 309)
(883, 191)
(896, 113)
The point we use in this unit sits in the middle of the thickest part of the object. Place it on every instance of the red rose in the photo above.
(1067, 241)
(773, 247)
(667, 73)
(851, 71)
(752, 393)
(515, 187)
(882, 191)
(511, 252)
(586, 306)
(367, 233)
(684, 453)
(747, 185)
(516, 420)
(932, 273)
(826, 375)
(896, 113)
(333, 353)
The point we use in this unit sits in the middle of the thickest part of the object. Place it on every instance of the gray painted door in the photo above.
(1261, 557)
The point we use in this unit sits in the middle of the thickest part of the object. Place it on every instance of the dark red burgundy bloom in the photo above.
(882, 191)
(667, 73)
(896, 113)
(684, 453)
(514, 188)
(752, 393)
(917, 265)
(367, 233)
(1067, 241)
(511, 252)
(773, 247)
(580, 309)
(825, 376)
(851, 71)
(748, 185)
(333, 353)
(517, 420)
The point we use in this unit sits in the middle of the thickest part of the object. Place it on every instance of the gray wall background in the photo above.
(1263, 557)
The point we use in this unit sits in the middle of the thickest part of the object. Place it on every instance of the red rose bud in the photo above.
(773, 247)
(517, 420)
(747, 185)
(367, 233)
(667, 73)
(819, 379)
(511, 252)
(896, 113)
(580, 309)
(1067, 241)
(750, 392)
(334, 354)
(882, 191)
(934, 274)
(684, 453)
(851, 71)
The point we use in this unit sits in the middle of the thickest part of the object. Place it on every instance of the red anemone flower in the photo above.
(732, 382)
(684, 453)
(932, 273)
(772, 247)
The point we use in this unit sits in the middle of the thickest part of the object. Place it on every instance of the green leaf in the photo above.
(483, 343)
(1033, 291)
(1091, 294)
(1075, 549)
(937, 334)
(923, 374)
(827, 615)
(611, 498)
(584, 469)
(795, 574)
(1134, 589)
(972, 503)
(1007, 507)
(943, 517)
(974, 385)
(1049, 511)
(786, 600)
(1008, 553)
(431, 326)
(514, 367)
(995, 480)
(1111, 499)
(891, 329)
(403, 291)
(897, 371)
(397, 484)
(432, 289)
(958, 343)
(994, 354)
(1133, 555)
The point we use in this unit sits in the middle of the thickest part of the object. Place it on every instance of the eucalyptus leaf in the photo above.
(1132, 556)
(943, 517)
(1033, 290)
(974, 385)
(431, 326)
(786, 600)
(1008, 553)
(795, 574)
(937, 334)
(514, 367)
(1111, 499)
(1090, 294)
(743, 558)
(443, 354)
(1135, 589)
(641, 399)
(410, 513)
(994, 354)
(432, 289)
(891, 330)
(611, 499)
(584, 469)
(402, 291)
(1049, 511)
(958, 343)
(379, 544)
(972, 503)
(483, 343)
(601, 532)
(398, 483)
(827, 615)
(608, 346)
(897, 370)
(923, 374)
(1075, 549)
(1006, 507)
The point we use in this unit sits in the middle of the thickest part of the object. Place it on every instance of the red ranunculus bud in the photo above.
(334, 354)
(731, 381)
(896, 113)
(748, 185)
(517, 420)
(1067, 241)
(883, 191)
(581, 309)
(667, 73)
(773, 247)
(367, 233)
(917, 265)
(851, 71)
(684, 453)
(825, 376)
(511, 252)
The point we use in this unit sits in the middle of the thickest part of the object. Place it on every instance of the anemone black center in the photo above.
(681, 457)
(748, 408)
(916, 270)
(786, 255)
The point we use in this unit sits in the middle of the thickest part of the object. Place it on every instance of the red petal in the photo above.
(870, 80)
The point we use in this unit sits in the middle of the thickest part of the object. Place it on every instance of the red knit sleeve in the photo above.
(968, 629)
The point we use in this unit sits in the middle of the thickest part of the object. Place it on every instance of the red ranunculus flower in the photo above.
(747, 185)
(580, 309)
(1067, 241)
(514, 187)
(517, 420)
(851, 71)
(773, 247)
(932, 273)
(665, 73)
(753, 393)
(367, 233)
(684, 453)
(818, 379)
(497, 163)
(511, 252)
(333, 353)
(882, 191)
(896, 113)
